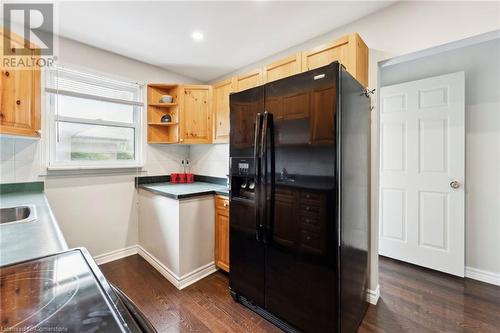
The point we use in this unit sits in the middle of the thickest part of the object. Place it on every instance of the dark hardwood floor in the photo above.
(413, 299)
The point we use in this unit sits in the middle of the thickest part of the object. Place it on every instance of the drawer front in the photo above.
(222, 203)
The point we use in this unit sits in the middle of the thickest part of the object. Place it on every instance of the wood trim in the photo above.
(8, 130)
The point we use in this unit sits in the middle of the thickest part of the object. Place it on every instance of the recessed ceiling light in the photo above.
(197, 36)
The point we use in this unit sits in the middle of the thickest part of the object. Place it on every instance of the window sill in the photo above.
(91, 167)
(73, 170)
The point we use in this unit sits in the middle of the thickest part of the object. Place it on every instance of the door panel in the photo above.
(247, 254)
(221, 93)
(301, 269)
(422, 152)
(353, 126)
(244, 107)
(196, 115)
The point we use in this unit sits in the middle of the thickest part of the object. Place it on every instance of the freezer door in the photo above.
(246, 249)
(354, 168)
(301, 266)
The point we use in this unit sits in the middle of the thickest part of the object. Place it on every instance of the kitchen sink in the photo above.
(23, 213)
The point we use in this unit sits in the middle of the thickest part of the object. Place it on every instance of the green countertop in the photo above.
(183, 191)
(27, 240)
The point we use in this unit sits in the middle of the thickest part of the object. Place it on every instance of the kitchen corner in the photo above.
(178, 226)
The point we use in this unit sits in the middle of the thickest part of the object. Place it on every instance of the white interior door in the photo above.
(422, 172)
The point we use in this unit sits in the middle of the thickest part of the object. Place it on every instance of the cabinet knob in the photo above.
(2, 115)
(308, 208)
(308, 238)
(13, 50)
(7, 73)
(18, 102)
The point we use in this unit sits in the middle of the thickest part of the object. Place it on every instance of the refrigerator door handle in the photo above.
(258, 190)
(268, 187)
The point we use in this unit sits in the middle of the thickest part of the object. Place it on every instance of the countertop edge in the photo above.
(182, 196)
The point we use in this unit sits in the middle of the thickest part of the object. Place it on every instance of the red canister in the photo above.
(189, 177)
(182, 177)
(174, 177)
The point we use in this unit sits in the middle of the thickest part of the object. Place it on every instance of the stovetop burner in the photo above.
(58, 293)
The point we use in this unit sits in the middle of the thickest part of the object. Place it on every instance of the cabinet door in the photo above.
(20, 99)
(326, 54)
(249, 80)
(196, 117)
(351, 51)
(283, 68)
(221, 93)
(222, 239)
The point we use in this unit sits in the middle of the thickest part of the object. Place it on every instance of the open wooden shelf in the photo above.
(163, 124)
(162, 105)
(162, 132)
(164, 86)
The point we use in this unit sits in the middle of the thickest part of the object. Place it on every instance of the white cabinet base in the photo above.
(177, 236)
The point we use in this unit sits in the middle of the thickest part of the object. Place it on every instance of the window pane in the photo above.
(82, 142)
(76, 107)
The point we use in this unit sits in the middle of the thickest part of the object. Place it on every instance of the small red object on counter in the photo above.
(182, 177)
(189, 178)
(174, 177)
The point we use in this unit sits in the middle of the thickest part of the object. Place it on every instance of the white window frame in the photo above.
(52, 119)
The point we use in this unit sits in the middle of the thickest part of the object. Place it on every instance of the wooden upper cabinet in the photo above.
(19, 96)
(349, 50)
(249, 80)
(196, 114)
(283, 68)
(221, 93)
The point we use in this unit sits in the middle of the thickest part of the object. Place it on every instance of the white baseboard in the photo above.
(372, 296)
(115, 255)
(483, 276)
(180, 282)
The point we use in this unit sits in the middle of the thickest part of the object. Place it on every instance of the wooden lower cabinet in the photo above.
(222, 232)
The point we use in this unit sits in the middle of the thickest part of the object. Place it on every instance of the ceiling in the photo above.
(235, 33)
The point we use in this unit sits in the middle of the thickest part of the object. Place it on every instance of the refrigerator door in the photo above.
(354, 169)
(246, 278)
(301, 265)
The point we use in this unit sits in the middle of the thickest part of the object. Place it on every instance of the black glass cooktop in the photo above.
(60, 293)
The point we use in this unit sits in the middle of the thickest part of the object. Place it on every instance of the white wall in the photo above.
(96, 211)
(402, 28)
(481, 64)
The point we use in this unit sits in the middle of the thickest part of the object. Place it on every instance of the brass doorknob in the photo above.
(455, 184)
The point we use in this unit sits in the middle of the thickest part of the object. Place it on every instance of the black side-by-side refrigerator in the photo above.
(299, 200)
